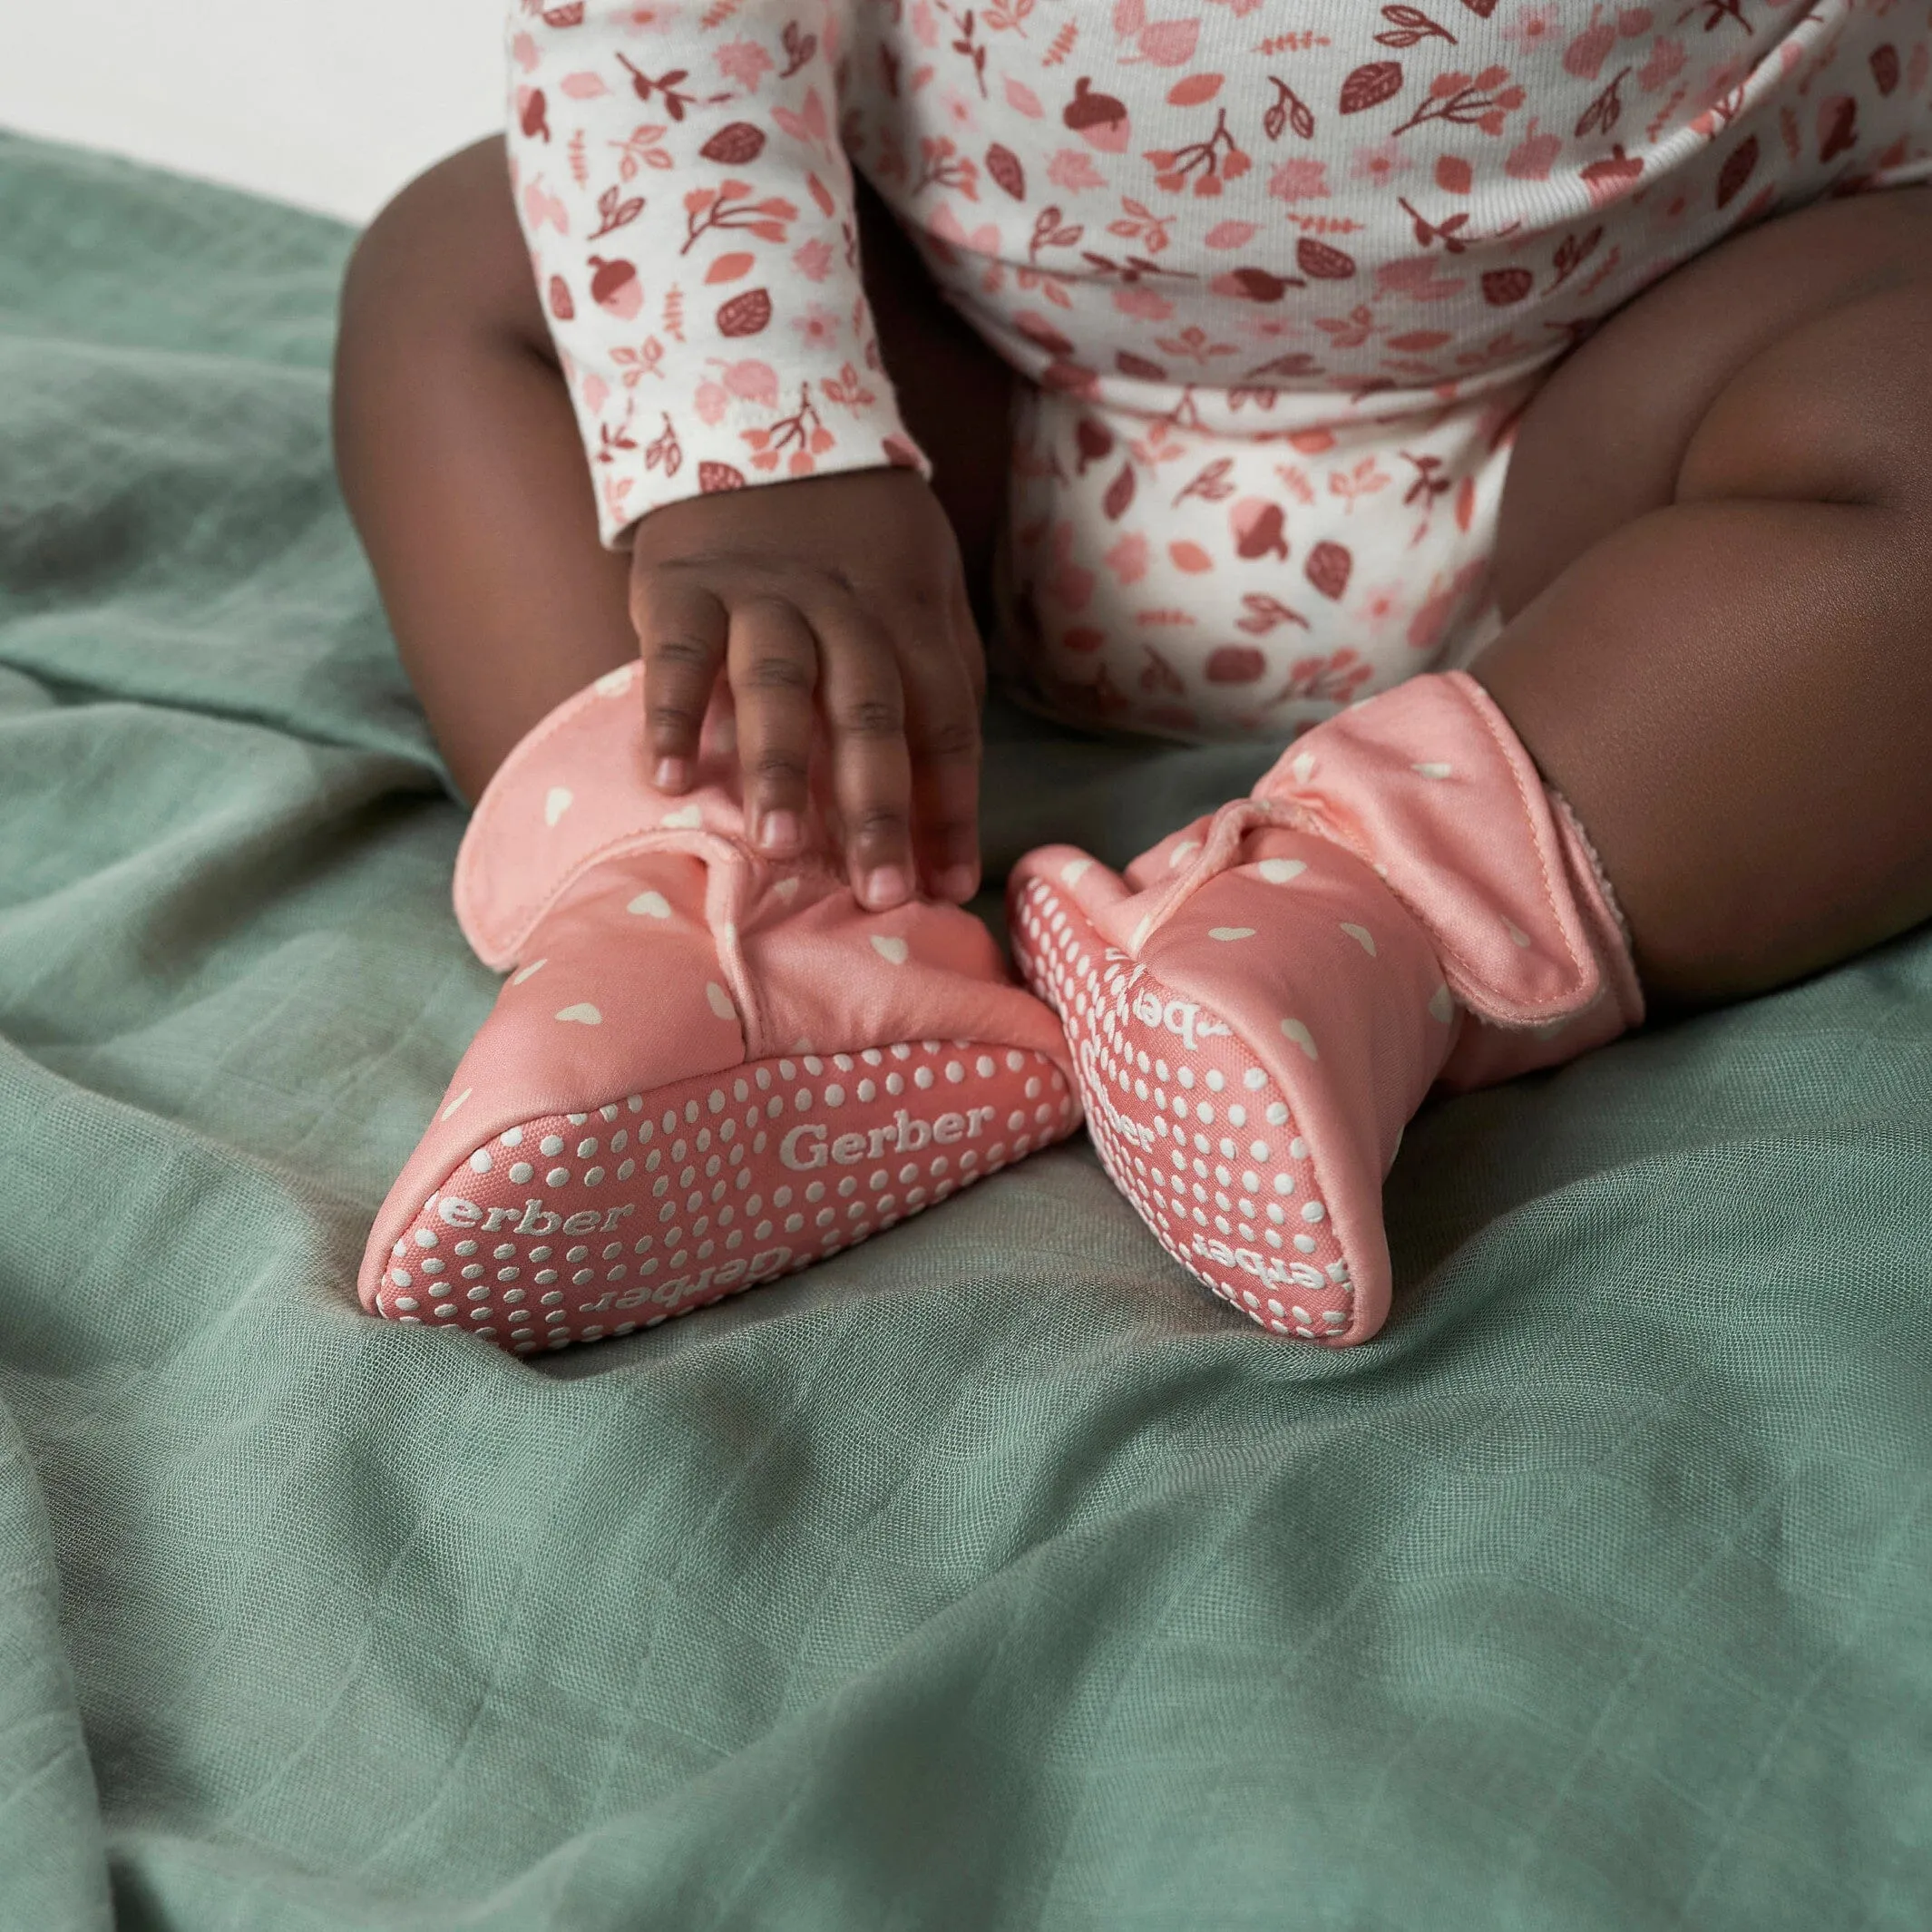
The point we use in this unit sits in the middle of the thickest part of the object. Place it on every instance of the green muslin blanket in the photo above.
(990, 1576)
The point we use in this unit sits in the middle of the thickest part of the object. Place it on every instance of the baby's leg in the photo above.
(1717, 569)
(710, 1064)
(1716, 557)
(462, 464)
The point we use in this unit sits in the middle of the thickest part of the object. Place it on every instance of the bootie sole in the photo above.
(574, 1227)
(1194, 1130)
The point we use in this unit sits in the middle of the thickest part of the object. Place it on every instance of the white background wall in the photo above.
(332, 103)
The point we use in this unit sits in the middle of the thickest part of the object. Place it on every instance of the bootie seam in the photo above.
(502, 944)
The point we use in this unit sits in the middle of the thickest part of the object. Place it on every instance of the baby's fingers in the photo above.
(943, 735)
(864, 709)
(681, 632)
(774, 664)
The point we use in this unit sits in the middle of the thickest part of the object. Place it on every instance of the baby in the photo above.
(1517, 408)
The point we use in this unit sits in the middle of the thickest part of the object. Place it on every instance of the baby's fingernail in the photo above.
(671, 775)
(886, 886)
(958, 882)
(780, 832)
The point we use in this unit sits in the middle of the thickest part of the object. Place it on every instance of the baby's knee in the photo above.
(1838, 410)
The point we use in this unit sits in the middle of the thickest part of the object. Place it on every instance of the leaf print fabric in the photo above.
(688, 208)
(1279, 273)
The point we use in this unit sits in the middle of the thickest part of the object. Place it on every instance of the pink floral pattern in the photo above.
(1279, 276)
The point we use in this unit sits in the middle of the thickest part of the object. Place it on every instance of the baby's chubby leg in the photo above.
(463, 470)
(709, 1065)
(1716, 559)
(1716, 568)
(836, 605)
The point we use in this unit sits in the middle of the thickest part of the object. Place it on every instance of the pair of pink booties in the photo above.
(707, 1068)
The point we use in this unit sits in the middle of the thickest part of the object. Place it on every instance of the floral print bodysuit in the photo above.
(1279, 276)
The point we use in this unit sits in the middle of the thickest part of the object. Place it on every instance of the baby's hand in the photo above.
(839, 597)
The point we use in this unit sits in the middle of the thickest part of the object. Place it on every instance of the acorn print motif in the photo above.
(1614, 176)
(1098, 118)
(1274, 289)
(614, 286)
(1258, 529)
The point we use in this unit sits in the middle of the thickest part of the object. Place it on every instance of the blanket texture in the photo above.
(988, 1576)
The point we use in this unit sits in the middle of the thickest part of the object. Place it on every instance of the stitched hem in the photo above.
(1565, 811)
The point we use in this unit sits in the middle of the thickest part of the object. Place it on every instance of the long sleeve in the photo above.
(690, 212)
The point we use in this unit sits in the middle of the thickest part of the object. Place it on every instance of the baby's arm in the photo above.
(692, 221)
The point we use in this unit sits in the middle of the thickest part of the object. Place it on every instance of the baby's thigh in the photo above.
(1606, 437)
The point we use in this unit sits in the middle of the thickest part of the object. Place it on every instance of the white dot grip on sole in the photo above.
(572, 1227)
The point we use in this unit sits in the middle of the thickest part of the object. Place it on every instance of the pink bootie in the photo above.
(706, 1068)
(1257, 1011)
